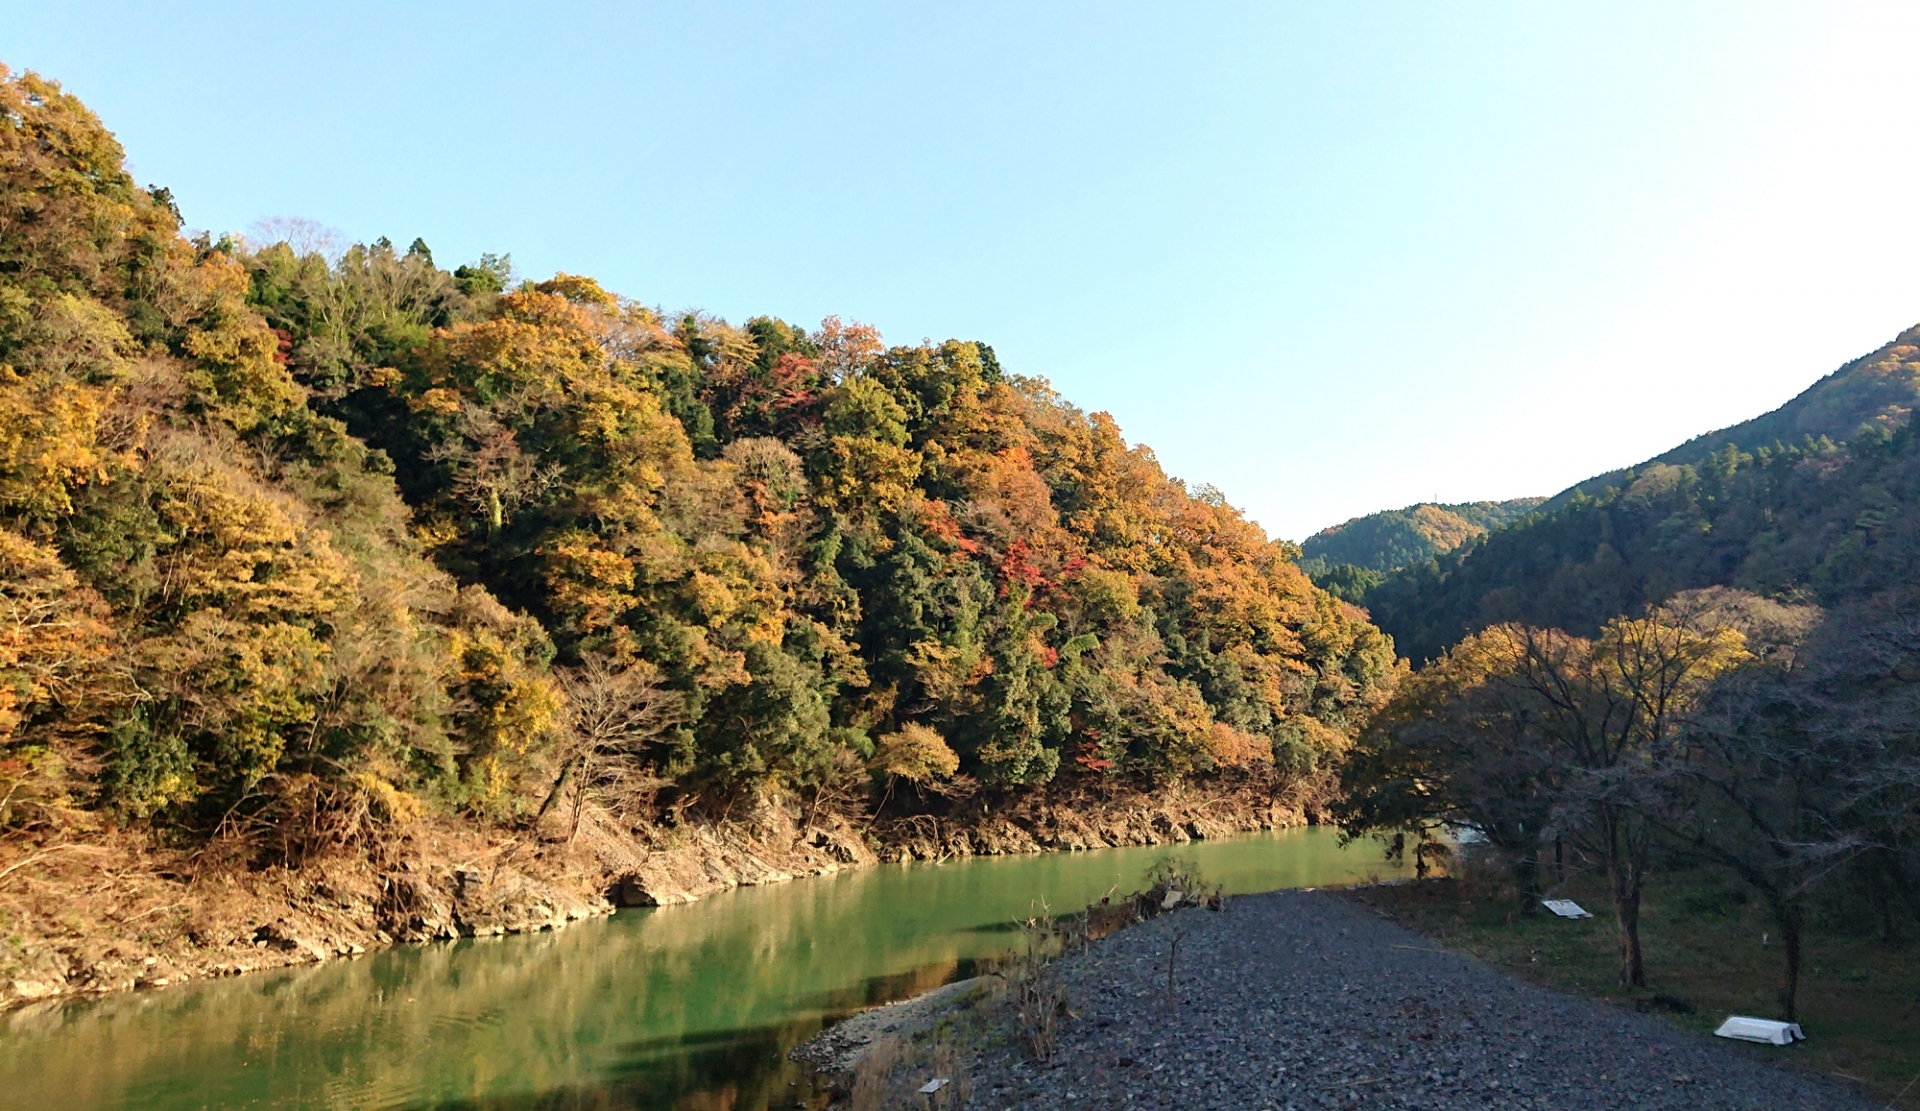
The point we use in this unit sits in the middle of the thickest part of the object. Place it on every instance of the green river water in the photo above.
(688, 1007)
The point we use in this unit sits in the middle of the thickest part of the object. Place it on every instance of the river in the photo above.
(687, 1007)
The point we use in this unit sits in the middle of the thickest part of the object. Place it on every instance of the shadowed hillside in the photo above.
(1778, 505)
(1877, 390)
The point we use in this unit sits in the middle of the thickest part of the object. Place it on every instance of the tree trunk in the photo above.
(1526, 877)
(579, 804)
(1790, 945)
(553, 795)
(1626, 912)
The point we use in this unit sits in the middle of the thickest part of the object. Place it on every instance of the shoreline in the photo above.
(839, 1048)
(153, 918)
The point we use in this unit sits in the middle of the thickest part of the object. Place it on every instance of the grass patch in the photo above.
(1710, 952)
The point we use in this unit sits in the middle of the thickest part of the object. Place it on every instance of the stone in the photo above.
(35, 989)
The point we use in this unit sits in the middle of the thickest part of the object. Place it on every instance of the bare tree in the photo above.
(306, 237)
(614, 716)
(491, 473)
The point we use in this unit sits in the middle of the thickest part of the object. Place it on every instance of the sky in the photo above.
(1330, 258)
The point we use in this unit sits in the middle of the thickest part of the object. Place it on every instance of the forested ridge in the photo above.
(1355, 556)
(1876, 391)
(1816, 521)
(300, 548)
(1798, 501)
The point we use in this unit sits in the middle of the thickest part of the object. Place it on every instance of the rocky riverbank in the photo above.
(682, 866)
(114, 911)
(1306, 1000)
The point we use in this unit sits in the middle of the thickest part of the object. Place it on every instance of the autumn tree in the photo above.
(1801, 764)
(1532, 736)
(364, 532)
(916, 754)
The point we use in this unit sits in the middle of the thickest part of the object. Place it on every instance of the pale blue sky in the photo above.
(1331, 258)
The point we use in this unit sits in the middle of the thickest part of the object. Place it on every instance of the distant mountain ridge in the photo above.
(1877, 390)
(1818, 500)
(1396, 538)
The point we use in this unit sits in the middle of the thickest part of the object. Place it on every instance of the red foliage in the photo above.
(1087, 755)
(792, 382)
(937, 523)
(1018, 569)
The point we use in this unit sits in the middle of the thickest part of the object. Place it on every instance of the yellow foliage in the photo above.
(240, 546)
(66, 336)
(861, 471)
(590, 584)
(1228, 747)
(508, 707)
(243, 684)
(916, 754)
(387, 802)
(579, 290)
(53, 631)
(234, 353)
(49, 443)
(946, 671)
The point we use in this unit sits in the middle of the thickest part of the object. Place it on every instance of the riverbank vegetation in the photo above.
(1773, 743)
(308, 546)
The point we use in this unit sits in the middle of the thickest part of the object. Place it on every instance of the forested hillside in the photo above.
(1352, 558)
(1877, 391)
(1815, 520)
(313, 546)
(1396, 538)
(1706, 667)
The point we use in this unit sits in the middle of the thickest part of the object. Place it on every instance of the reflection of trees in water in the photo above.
(713, 988)
(645, 1009)
(726, 1071)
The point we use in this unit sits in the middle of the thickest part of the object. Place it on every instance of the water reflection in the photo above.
(690, 1007)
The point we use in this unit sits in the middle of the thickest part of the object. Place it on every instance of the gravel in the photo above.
(1300, 999)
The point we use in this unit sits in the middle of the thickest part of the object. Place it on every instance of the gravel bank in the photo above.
(1300, 999)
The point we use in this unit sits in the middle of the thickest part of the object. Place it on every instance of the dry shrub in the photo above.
(301, 817)
(873, 1077)
(891, 1073)
(1171, 884)
(1230, 748)
(950, 1063)
(1174, 882)
(1033, 981)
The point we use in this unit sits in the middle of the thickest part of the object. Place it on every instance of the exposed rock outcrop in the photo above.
(159, 917)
